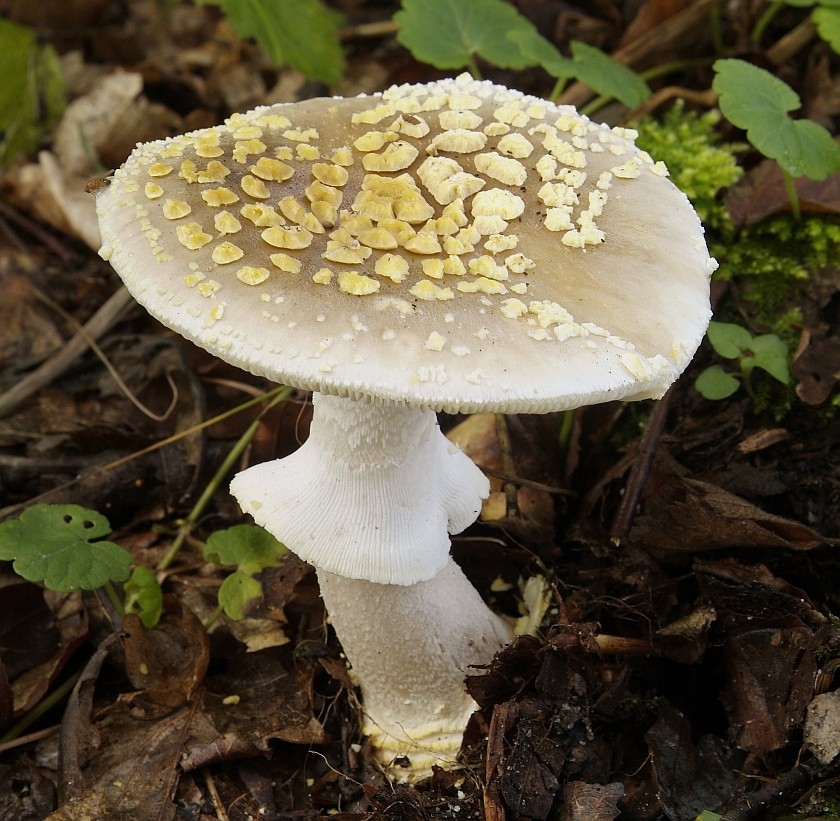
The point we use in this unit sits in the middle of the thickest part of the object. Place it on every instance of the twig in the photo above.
(59, 362)
(640, 470)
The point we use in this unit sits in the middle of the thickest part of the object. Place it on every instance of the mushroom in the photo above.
(455, 246)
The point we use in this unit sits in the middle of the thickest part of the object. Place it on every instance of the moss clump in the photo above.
(688, 143)
(772, 260)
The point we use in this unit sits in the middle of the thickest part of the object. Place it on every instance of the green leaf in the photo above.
(31, 91)
(299, 33)
(143, 596)
(604, 75)
(716, 383)
(607, 76)
(449, 34)
(251, 549)
(756, 101)
(728, 340)
(238, 591)
(827, 21)
(54, 544)
(708, 815)
(769, 353)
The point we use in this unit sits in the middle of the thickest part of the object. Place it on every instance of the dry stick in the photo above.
(796, 39)
(640, 470)
(59, 362)
(637, 50)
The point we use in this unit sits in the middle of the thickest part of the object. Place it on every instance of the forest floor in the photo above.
(686, 658)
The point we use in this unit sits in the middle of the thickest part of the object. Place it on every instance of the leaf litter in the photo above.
(689, 666)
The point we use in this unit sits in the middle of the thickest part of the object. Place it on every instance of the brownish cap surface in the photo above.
(454, 245)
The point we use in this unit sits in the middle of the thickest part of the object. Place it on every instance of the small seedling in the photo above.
(302, 34)
(758, 102)
(734, 342)
(250, 549)
(61, 546)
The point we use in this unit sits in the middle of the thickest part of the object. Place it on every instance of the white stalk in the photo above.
(373, 493)
(411, 648)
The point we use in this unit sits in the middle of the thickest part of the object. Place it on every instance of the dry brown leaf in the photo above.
(591, 802)
(771, 681)
(686, 515)
(761, 193)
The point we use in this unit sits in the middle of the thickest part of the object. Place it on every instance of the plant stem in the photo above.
(715, 30)
(114, 598)
(472, 67)
(766, 18)
(599, 102)
(40, 708)
(559, 85)
(185, 528)
(795, 210)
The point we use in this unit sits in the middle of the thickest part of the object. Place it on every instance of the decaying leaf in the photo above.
(687, 515)
(591, 802)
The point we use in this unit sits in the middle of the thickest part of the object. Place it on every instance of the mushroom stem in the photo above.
(411, 647)
(372, 494)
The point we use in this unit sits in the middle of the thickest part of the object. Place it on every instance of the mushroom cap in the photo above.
(455, 245)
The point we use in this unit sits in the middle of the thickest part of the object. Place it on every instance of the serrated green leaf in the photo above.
(53, 544)
(299, 33)
(31, 92)
(449, 34)
(715, 383)
(827, 21)
(237, 591)
(770, 353)
(728, 339)
(753, 99)
(143, 596)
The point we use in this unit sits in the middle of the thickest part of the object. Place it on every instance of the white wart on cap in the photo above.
(455, 246)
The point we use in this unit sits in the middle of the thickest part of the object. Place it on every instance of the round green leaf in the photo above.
(144, 596)
(716, 383)
(236, 592)
(771, 355)
(450, 33)
(728, 339)
(755, 100)
(53, 544)
(248, 547)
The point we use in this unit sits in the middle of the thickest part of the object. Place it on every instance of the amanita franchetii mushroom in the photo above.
(455, 246)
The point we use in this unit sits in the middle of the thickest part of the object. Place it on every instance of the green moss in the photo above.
(771, 261)
(688, 143)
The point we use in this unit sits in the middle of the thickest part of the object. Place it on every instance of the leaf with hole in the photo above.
(56, 545)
